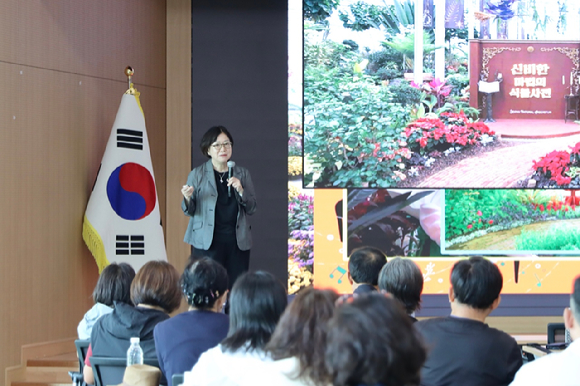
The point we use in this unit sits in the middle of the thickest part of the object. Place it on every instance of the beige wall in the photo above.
(61, 81)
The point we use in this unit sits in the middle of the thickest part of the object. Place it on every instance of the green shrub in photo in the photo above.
(556, 238)
(459, 82)
(352, 131)
(405, 95)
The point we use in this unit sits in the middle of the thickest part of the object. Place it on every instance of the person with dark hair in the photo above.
(218, 198)
(298, 343)
(114, 285)
(403, 279)
(155, 293)
(464, 350)
(558, 368)
(371, 341)
(364, 266)
(256, 303)
(180, 341)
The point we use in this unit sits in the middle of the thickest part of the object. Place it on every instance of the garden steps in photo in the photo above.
(534, 128)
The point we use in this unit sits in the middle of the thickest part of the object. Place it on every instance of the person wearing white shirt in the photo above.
(256, 303)
(297, 347)
(562, 368)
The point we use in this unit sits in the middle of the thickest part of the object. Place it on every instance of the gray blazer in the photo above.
(201, 208)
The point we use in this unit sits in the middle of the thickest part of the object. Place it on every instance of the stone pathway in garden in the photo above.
(500, 168)
(506, 240)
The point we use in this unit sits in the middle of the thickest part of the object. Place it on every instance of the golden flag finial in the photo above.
(129, 73)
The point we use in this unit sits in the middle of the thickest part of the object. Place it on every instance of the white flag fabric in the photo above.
(122, 223)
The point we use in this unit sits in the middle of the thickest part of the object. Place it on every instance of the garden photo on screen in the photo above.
(369, 122)
(512, 221)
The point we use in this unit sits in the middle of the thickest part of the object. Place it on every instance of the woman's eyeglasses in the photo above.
(218, 146)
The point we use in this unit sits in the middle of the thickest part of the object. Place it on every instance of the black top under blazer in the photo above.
(202, 205)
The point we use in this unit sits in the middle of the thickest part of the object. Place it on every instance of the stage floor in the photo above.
(534, 128)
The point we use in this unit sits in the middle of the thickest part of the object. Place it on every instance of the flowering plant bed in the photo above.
(426, 135)
(558, 169)
(471, 214)
(431, 137)
(300, 239)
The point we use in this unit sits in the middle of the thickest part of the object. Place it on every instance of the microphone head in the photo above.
(231, 164)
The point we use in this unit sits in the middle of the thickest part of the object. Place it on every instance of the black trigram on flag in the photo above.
(130, 245)
(130, 139)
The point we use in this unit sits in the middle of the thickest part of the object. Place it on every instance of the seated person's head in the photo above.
(256, 302)
(157, 284)
(205, 284)
(572, 314)
(476, 283)
(403, 279)
(371, 341)
(364, 265)
(301, 332)
(114, 284)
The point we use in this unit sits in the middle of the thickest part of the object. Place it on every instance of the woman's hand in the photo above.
(187, 192)
(235, 183)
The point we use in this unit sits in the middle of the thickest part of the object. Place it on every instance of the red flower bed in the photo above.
(558, 169)
(450, 129)
(553, 165)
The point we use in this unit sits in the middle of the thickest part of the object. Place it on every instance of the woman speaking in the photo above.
(218, 198)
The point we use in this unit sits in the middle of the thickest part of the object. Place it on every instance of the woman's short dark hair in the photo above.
(210, 137)
(371, 341)
(301, 332)
(476, 282)
(403, 279)
(256, 302)
(157, 284)
(203, 282)
(114, 284)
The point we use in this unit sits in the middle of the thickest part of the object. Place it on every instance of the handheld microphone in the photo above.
(231, 165)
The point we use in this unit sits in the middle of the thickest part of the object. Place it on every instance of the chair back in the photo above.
(556, 333)
(82, 346)
(177, 379)
(110, 371)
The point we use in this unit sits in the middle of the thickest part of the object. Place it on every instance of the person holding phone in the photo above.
(218, 198)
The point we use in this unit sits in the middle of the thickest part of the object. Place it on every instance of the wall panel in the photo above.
(240, 80)
(61, 81)
(94, 38)
(178, 126)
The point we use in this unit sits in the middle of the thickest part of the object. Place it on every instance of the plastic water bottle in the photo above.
(135, 353)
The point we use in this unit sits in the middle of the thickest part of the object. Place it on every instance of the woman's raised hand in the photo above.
(187, 191)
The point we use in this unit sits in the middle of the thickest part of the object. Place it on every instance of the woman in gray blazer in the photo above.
(218, 206)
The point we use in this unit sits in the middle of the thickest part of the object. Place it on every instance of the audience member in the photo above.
(180, 341)
(371, 341)
(298, 343)
(364, 265)
(114, 285)
(256, 302)
(403, 279)
(558, 368)
(463, 350)
(155, 293)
